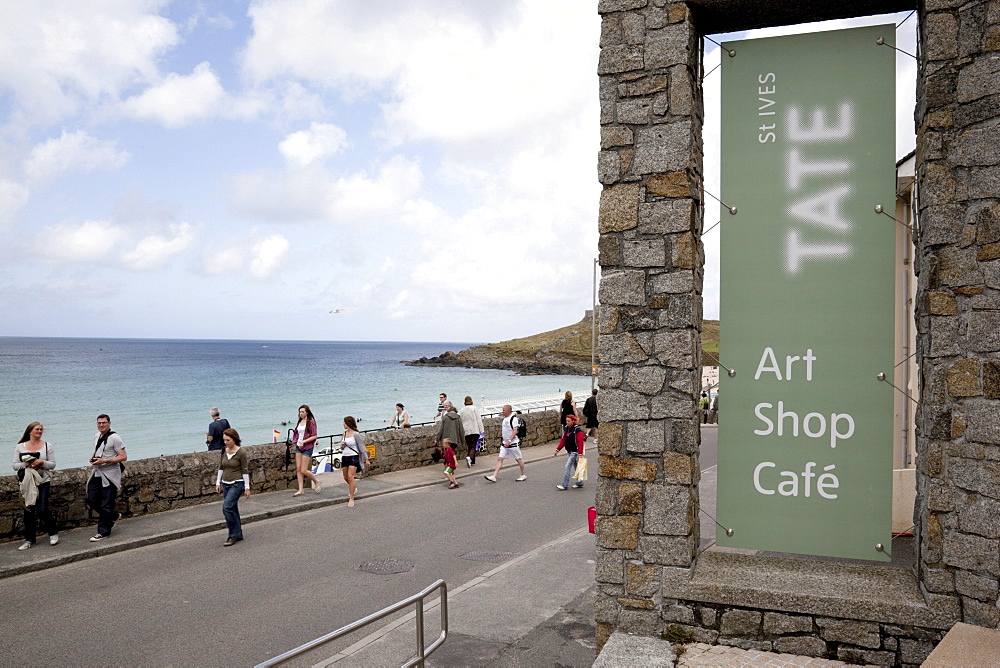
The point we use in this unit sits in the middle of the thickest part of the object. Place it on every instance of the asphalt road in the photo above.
(192, 602)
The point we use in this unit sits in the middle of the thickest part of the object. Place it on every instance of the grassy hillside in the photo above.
(574, 341)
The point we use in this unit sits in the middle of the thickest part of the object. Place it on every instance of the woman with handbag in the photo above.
(353, 456)
(304, 440)
(34, 459)
(472, 423)
(574, 441)
(232, 481)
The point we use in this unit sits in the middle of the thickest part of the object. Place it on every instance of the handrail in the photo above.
(525, 409)
(422, 652)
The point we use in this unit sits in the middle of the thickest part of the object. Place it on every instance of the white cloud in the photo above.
(13, 196)
(153, 251)
(57, 56)
(259, 258)
(72, 152)
(454, 74)
(319, 141)
(267, 256)
(314, 194)
(86, 242)
(180, 100)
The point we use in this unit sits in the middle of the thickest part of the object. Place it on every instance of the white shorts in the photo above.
(513, 452)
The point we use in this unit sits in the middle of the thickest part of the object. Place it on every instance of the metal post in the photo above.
(593, 332)
(420, 633)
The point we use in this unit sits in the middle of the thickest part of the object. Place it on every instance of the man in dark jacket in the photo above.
(213, 438)
(590, 412)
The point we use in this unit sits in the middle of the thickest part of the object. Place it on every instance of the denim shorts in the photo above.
(300, 451)
(350, 460)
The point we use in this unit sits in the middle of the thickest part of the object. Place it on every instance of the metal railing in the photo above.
(524, 405)
(418, 599)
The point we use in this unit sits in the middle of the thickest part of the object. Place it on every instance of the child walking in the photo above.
(450, 463)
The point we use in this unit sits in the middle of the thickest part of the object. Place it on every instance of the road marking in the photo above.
(410, 617)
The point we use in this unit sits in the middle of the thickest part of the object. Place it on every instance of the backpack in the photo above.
(100, 445)
(522, 427)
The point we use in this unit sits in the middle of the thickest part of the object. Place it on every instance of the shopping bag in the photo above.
(581, 469)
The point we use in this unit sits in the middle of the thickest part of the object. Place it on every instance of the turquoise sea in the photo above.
(159, 392)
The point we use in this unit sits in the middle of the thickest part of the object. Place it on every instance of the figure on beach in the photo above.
(590, 412)
(401, 420)
(352, 449)
(510, 447)
(304, 440)
(574, 441)
(472, 423)
(232, 481)
(34, 460)
(106, 478)
(450, 463)
(213, 437)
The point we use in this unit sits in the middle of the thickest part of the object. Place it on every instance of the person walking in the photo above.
(232, 481)
(472, 424)
(450, 426)
(510, 447)
(590, 412)
(304, 440)
(34, 460)
(213, 437)
(574, 441)
(567, 407)
(703, 404)
(352, 449)
(401, 420)
(106, 478)
(450, 463)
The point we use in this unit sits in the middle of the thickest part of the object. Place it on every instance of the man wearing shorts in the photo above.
(510, 446)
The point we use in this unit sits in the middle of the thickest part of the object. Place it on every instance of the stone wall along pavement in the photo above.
(178, 481)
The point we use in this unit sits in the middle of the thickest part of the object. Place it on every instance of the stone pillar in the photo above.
(651, 281)
(958, 307)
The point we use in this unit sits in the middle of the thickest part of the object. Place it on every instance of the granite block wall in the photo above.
(958, 313)
(651, 261)
(650, 219)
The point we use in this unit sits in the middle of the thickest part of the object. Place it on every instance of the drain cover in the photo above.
(492, 556)
(386, 566)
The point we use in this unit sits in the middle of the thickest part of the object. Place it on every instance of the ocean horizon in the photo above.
(158, 392)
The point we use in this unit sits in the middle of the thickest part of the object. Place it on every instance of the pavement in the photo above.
(555, 616)
(551, 588)
(135, 532)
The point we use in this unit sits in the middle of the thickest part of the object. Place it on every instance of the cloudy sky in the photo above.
(239, 169)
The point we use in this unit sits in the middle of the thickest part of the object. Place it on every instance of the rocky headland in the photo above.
(564, 351)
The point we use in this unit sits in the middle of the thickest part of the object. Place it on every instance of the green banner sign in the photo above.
(807, 280)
